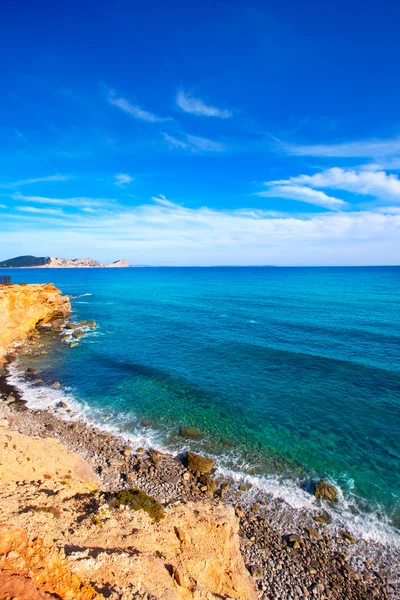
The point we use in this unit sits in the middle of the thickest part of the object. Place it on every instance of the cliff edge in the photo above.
(60, 538)
(22, 307)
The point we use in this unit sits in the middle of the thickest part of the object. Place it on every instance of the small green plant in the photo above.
(52, 510)
(138, 500)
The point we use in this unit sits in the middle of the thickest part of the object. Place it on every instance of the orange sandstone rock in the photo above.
(31, 569)
(22, 307)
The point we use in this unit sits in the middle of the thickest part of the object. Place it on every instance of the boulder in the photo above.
(77, 334)
(191, 433)
(207, 481)
(57, 324)
(31, 371)
(72, 326)
(325, 490)
(196, 462)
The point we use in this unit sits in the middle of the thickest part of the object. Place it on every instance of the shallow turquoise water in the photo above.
(285, 370)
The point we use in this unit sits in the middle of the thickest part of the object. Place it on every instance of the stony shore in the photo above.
(287, 559)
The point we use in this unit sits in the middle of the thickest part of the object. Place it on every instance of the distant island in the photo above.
(47, 262)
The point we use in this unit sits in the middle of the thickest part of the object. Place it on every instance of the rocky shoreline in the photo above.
(290, 556)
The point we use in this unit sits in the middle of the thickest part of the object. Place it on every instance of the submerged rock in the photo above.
(196, 462)
(325, 490)
(191, 433)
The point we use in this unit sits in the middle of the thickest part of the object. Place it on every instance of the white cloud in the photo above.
(173, 141)
(34, 180)
(78, 202)
(372, 148)
(196, 106)
(122, 179)
(167, 233)
(194, 143)
(133, 110)
(303, 194)
(370, 183)
(41, 211)
(3, 206)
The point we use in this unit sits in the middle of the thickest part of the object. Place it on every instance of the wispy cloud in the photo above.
(22, 182)
(3, 206)
(196, 106)
(41, 211)
(373, 148)
(73, 202)
(133, 109)
(122, 179)
(194, 143)
(370, 183)
(161, 199)
(173, 141)
(205, 144)
(303, 194)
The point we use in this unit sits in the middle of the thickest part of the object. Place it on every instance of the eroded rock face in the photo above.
(31, 569)
(22, 307)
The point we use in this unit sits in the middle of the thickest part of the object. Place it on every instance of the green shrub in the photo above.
(138, 500)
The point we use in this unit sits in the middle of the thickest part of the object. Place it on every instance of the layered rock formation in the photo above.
(22, 307)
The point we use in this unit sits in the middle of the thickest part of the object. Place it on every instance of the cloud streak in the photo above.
(22, 182)
(78, 202)
(196, 106)
(133, 109)
(41, 211)
(373, 148)
(303, 194)
(194, 143)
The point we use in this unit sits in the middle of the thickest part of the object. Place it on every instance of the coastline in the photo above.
(287, 551)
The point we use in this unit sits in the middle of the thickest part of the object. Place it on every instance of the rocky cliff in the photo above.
(59, 538)
(22, 307)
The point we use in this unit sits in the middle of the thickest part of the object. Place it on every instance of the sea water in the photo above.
(291, 374)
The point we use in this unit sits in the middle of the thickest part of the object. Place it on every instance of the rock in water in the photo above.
(325, 490)
(196, 462)
(31, 371)
(191, 433)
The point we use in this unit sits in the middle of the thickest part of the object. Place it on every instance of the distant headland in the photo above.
(47, 262)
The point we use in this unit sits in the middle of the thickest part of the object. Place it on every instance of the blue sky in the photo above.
(201, 133)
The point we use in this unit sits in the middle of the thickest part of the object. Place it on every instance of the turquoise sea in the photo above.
(290, 373)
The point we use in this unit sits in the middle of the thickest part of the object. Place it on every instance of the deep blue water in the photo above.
(288, 371)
